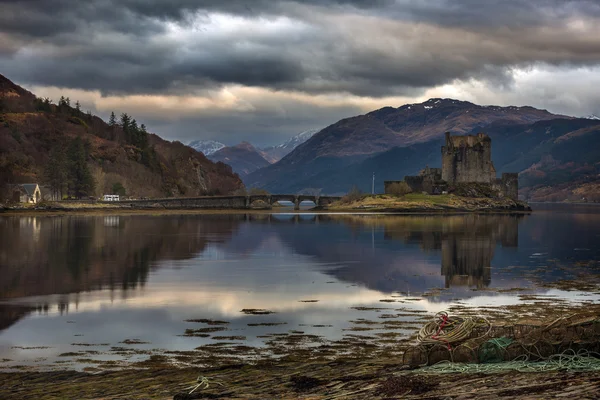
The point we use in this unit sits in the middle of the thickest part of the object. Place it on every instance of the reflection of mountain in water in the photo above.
(466, 244)
(58, 255)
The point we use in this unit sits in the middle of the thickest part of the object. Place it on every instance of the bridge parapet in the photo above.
(225, 202)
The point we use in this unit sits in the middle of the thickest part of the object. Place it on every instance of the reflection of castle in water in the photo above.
(467, 243)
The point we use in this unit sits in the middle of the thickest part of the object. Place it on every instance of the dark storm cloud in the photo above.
(365, 47)
(370, 48)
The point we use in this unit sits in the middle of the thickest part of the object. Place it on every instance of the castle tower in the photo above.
(468, 159)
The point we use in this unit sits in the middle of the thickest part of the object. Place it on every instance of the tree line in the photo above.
(134, 134)
(67, 171)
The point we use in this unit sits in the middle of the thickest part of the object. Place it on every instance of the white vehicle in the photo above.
(110, 197)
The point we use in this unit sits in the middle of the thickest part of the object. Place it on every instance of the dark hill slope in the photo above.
(30, 129)
(354, 139)
(243, 158)
(557, 160)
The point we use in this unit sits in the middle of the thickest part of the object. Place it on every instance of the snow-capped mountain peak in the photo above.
(207, 147)
(298, 139)
(277, 152)
(592, 116)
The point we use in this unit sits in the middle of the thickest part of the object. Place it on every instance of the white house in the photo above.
(26, 193)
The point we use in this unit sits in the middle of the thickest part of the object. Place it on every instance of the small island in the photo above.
(466, 182)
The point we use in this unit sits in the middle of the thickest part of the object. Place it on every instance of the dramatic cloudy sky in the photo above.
(263, 70)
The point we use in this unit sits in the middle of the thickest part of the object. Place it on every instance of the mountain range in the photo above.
(32, 128)
(555, 155)
(244, 158)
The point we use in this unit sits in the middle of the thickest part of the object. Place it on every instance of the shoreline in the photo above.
(348, 379)
(199, 211)
(375, 205)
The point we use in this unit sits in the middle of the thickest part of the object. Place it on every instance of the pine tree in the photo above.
(112, 120)
(62, 104)
(133, 125)
(78, 106)
(55, 172)
(143, 137)
(81, 182)
(125, 122)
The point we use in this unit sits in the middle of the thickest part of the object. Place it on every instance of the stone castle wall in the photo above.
(468, 159)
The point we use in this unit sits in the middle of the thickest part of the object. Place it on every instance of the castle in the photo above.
(465, 159)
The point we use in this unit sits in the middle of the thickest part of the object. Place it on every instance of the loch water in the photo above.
(99, 281)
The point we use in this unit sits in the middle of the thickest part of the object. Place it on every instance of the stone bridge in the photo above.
(229, 202)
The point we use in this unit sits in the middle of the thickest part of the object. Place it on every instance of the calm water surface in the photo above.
(68, 282)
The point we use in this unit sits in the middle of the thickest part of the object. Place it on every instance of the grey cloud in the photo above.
(363, 47)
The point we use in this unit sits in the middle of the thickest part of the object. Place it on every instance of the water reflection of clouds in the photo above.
(144, 280)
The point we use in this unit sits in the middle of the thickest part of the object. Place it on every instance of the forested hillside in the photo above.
(78, 154)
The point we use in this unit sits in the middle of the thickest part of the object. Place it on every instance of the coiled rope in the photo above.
(451, 330)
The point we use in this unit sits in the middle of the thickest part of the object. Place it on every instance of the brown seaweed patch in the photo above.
(267, 323)
(301, 383)
(401, 385)
(207, 321)
(134, 341)
(256, 311)
(362, 321)
(308, 301)
(205, 330)
(358, 329)
(229, 337)
(70, 354)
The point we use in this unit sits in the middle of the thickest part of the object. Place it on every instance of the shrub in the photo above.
(399, 189)
(118, 188)
(355, 194)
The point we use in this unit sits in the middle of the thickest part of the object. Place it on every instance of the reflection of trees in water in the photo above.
(82, 253)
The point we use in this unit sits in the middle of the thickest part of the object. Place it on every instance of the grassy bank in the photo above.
(417, 202)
